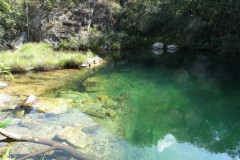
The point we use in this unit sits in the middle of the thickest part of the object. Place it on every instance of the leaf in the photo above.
(4, 124)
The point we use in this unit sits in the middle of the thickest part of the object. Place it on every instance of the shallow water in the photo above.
(176, 106)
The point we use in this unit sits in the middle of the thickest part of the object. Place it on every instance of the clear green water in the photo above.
(177, 106)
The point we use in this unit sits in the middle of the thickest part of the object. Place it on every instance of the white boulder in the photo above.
(157, 46)
(172, 47)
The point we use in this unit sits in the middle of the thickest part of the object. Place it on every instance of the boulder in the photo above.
(157, 46)
(18, 41)
(75, 136)
(92, 62)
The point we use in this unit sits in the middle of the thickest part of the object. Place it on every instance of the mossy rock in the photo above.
(77, 97)
(111, 113)
(94, 84)
(106, 100)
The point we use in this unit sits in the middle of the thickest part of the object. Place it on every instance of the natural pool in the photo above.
(168, 106)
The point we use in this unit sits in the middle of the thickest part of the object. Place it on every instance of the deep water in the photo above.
(177, 105)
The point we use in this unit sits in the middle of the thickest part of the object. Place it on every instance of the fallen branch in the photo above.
(52, 144)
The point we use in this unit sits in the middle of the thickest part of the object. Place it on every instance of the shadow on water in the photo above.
(181, 105)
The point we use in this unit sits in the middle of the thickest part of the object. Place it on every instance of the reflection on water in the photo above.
(166, 142)
(178, 106)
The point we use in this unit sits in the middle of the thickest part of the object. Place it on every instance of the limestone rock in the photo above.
(75, 136)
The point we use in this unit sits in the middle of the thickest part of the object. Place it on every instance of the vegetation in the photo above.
(5, 73)
(191, 24)
(41, 57)
(6, 150)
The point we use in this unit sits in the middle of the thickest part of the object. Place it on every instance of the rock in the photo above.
(77, 97)
(53, 105)
(157, 46)
(5, 98)
(31, 124)
(106, 100)
(52, 39)
(18, 41)
(111, 113)
(31, 100)
(19, 113)
(95, 113)
(92, 62)
(93, 84)
(123, 96)
(3, 85)
(172, 48)
(85, 65)
(75, 137)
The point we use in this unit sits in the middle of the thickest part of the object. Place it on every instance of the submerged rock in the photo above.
(77, 97)
(95, 113)
(53, 105)
(111, 113)
(75, 136)
(106, 100)
(93, 84)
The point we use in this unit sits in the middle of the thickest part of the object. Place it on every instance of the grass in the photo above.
(42, 57)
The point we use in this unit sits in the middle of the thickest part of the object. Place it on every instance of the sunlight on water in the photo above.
(170, 106)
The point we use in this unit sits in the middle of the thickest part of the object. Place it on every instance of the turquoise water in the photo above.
(173, 106)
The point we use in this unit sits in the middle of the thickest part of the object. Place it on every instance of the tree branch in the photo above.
(37, 153)
(55, 145)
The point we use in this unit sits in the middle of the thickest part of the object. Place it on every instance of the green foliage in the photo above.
(6, 123)
(6, 155)
(41, 57)
(12, 18)
(2, 31)
(5, 73)
(4, 6)
(191, 24)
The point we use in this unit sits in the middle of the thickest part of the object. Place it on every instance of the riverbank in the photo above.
(42, 57)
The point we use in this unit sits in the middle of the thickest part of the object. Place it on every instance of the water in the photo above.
(171, 106)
